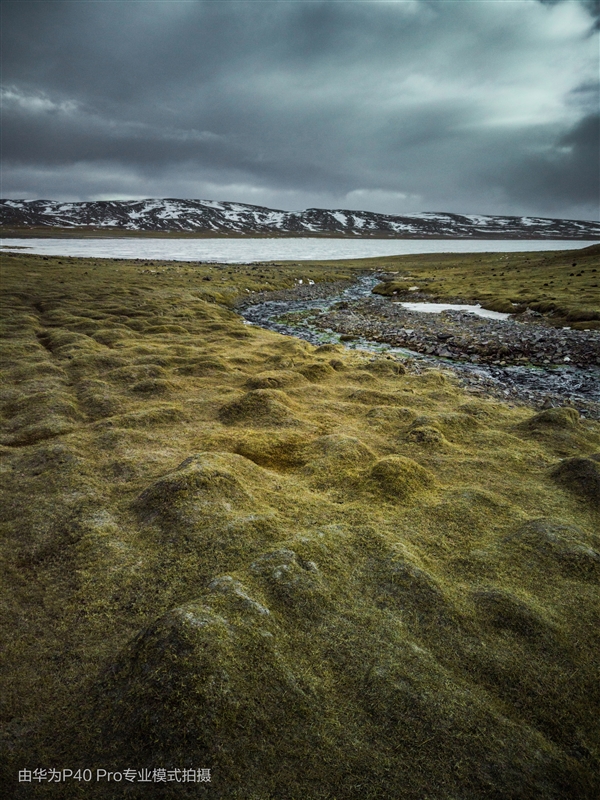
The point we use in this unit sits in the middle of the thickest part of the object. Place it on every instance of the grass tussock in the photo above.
(308, 569)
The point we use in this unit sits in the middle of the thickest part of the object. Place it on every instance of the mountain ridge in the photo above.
(171, 215)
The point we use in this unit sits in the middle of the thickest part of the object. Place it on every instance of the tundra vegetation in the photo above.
(308, 569)
(565, 285)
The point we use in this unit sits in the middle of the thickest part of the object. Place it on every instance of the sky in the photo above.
(464, 106)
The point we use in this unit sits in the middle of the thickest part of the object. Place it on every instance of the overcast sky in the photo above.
(469, 106)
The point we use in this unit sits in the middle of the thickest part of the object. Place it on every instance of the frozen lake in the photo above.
(242, 251)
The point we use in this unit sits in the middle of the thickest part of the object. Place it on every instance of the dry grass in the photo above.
(313, 573)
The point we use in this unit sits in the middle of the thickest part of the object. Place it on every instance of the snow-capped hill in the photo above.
(222, 218)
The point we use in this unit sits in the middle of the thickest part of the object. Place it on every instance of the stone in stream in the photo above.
(459, 337)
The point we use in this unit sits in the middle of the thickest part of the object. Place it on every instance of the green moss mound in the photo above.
(274, 450)
(339, 450)
(553, 418)
(373, 397)
(562, 428)
(97, 399)
(505, 612)
(401, 478)
(201, 669)
(390, 418)
(317, 372)
(580, 476)
(202, 366)
(159, 414)
(166, 329)
(411, 591)
(153, 386)
(275, 379)
(208, 482)
(385, 367)
(428, 435)
(553, 545)
(29, 418)
(294, 585)
(139, 373)
(259, 408)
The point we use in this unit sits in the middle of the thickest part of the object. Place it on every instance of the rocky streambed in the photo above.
(462, 335)
(523, 359)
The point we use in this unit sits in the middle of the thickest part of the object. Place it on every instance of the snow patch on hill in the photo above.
(211, 216)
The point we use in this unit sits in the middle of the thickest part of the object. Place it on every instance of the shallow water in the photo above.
(436, 308)
(243, 251)
(530, 384)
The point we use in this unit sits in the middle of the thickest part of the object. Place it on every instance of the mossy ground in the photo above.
(564, 284)
(315, 573)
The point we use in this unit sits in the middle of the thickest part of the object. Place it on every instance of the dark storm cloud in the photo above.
(396, 106)
(568, 173)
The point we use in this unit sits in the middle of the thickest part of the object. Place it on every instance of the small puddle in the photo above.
(436, 308)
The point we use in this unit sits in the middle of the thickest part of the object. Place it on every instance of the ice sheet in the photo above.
(244, 250)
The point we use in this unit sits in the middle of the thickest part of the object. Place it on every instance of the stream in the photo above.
(322, 313)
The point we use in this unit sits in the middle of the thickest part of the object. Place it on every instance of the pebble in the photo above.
(523, 358)
(460, 335)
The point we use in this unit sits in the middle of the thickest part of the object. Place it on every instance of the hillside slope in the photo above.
(207, 216)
